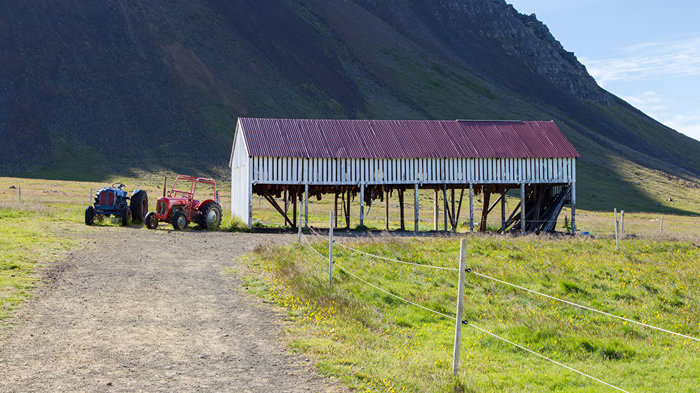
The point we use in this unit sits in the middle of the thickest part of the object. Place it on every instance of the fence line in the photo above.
(582, 306)
(464, 322)
(386, 258)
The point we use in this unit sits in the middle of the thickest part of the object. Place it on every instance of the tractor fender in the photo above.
(136, 191)
(202, 203)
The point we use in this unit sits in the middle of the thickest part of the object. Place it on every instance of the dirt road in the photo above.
(140, 310)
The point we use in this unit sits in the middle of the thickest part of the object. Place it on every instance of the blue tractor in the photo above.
(113, 201)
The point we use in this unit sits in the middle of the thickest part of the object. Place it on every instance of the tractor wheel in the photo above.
(210, 216)
(126, 217)
(179, 220)
(151, 220)
(89, 215)
(139, 206)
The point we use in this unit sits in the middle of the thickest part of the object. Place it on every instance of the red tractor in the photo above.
(179, 207)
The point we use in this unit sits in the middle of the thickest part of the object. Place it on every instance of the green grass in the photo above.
(374, 342)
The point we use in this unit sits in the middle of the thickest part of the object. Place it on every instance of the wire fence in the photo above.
(452, 318)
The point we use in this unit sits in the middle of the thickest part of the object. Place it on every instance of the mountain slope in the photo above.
(98, 88)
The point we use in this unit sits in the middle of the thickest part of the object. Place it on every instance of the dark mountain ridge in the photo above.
(90, 89)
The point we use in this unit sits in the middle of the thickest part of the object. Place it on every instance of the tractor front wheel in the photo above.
(151, 220)
(179, 220)
(210, 216)
(89, 215)
(126, 217)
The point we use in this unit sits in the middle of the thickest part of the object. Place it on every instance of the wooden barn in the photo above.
(298, 158)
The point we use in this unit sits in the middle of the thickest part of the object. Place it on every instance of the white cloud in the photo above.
(648, 60)
(649, 102)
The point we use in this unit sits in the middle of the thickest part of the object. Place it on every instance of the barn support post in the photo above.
(453, 216)
(573, 208)
(471, 207)
(294, 208)
(444, 197)
(335, 208)
(299, 227)
(522, 207)
(485, 209)
(415, 210)
(362, 204)
(503, 210)
(347, 210)
(286, 204)
(401, 209)
(306, 205)
(386, 208)
(436, 210)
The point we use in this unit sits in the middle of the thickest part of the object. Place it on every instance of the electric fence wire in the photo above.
(582, 306)
(454, 269)
(466, 323)
(522, 288)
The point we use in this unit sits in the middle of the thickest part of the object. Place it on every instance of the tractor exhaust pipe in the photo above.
(165, 183)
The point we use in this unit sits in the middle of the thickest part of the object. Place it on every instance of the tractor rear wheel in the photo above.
(151, 220)
(126, 217)
(179, 220)
(89, 215)
(210, 216)
(139, 206)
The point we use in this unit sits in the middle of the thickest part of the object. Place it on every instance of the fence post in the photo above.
(460, 305)
(19, 194)
(330, 253)
(617, 230)
(661, 228)
(91, 196)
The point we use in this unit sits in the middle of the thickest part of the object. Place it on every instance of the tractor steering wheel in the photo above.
(118, 185)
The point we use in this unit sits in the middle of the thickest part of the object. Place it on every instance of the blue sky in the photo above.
(645, 52)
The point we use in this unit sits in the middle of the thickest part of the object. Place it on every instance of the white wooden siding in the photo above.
(322, 171)
(241, 186)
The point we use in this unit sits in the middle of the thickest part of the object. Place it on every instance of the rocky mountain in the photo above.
(89, 89)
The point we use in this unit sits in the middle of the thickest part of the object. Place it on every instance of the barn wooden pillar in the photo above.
(401, 209)
(415, 210)
(522, 207)
(573, 207)
(347, 209)
(453, 216)
(306, 205)
(436, 210)
(485, 209)
(503, 210)
(335, 209)
(286, 203)
(471, 207)
(444, 197)
(294, 208)
(362, 204)
(386, 208)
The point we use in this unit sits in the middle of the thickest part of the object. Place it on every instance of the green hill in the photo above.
(94, 89)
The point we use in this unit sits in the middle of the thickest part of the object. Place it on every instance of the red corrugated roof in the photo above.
(328, 138)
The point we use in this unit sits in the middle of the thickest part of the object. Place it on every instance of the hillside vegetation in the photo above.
(92, 90)
(376, 342)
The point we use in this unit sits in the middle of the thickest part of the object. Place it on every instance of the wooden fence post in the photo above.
(622, 224)
(460, 306)
(19, 194)
(617, 230)
(661, 228)
(330, 252)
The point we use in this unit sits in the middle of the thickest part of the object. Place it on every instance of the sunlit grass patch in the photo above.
(375, 342)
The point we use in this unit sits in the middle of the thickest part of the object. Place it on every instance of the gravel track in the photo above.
(140, 310)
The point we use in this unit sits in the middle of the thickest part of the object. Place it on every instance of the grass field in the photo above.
(374, 342)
